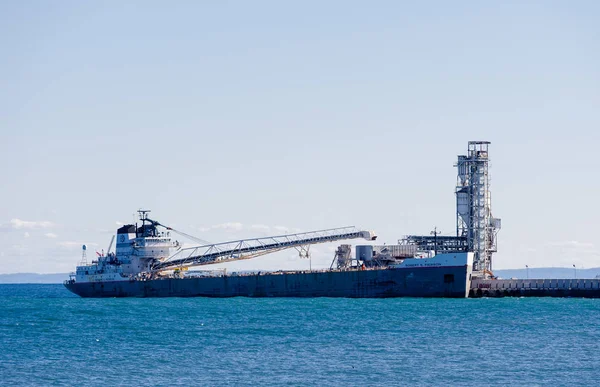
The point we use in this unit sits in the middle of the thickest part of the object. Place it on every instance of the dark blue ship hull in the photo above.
(453, 281)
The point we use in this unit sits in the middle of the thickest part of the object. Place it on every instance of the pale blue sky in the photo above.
(302, 115)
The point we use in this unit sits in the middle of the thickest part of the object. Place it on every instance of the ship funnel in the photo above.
(125, 235)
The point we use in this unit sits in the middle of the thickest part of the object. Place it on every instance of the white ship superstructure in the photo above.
(137, 250)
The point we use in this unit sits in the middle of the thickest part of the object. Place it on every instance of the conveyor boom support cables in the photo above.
(251, 248)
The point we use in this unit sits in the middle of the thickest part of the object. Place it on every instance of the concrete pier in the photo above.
(588, 288)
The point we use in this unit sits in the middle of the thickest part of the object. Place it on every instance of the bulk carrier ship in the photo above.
(148, 263)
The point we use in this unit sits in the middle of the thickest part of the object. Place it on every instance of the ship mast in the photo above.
(143, 214)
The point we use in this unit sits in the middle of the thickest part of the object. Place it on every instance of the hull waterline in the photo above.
(451, 282)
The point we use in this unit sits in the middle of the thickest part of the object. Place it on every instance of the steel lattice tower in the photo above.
(474, 220)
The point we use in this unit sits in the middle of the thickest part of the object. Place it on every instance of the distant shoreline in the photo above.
(33, 278)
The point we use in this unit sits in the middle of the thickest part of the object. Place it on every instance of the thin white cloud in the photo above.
(571, 244)
(256, 228)
(260, 228)
(30, 225)
(51, 235)
(230, 226)
(575, 247)
(281, 230)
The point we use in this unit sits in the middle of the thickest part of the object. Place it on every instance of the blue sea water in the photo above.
(51, 337)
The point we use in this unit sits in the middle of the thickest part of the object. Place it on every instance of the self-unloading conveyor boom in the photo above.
(251, 248)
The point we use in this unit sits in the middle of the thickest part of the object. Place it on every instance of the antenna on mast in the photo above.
(435, 234)
(143, 215)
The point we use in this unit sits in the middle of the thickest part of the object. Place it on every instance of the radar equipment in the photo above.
(144, 218)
